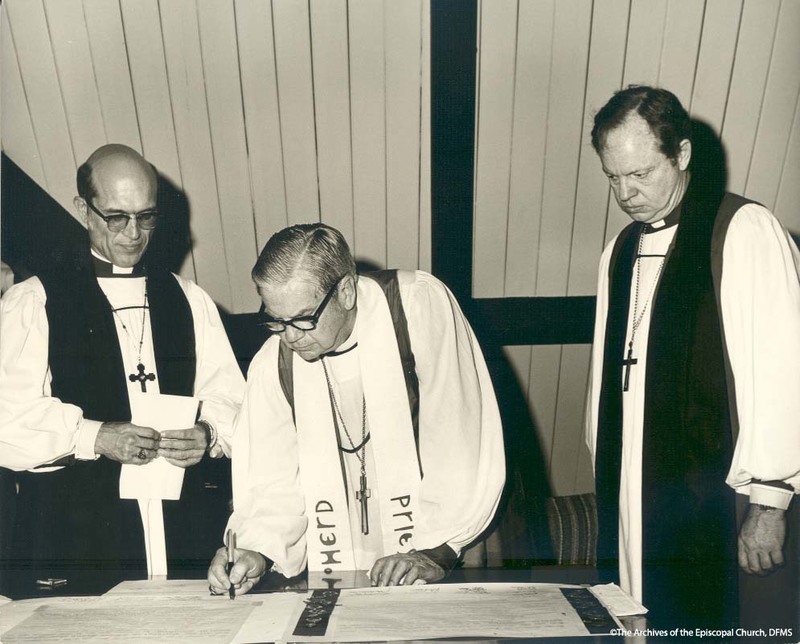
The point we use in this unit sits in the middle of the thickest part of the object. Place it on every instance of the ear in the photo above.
(82, 208)
(347, 292)
(684, 154)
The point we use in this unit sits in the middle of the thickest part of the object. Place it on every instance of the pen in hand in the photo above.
(231, 545)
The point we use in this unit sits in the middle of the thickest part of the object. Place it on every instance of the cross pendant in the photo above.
(362, 495)
(628, 362)
(142, 377)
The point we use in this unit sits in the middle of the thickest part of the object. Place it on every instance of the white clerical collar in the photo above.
(346, 346)
(104, 268)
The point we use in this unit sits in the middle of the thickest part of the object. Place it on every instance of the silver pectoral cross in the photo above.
(362, 494)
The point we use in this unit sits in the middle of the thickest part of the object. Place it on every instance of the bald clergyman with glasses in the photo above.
(369, 438)
(78, 343)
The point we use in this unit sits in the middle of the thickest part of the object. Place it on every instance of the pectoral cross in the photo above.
(362, 495)
(628, 362)
(142, 377)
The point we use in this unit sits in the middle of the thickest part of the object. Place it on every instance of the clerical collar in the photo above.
(104, 268)
(345, 347)
(670, 220)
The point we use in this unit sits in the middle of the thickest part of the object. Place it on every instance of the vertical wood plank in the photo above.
(569, 432)
(604, 77)
(543, 396)
(28, 27)
(530, 116)
(777, 112)
(332, 110)
(425, 143)
(296, 98)
(226, 121)
(368, 129)
(497, 52)
(112, 72)
(564, 130)
(746, 91)
(715, 61)
(18, 139)
(684, 19)
(262, 116)
(403, 41)
(69, 38)
(193, 139)
(645, 41)
(788, 201)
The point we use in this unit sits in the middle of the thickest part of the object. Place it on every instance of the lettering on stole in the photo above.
(327, 539)
(407, 531)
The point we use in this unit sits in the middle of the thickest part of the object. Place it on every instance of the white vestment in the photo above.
(36, 428)
(290, 502)
(760, 301)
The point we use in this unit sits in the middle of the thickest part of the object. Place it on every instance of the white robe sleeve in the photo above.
(760, 296)
(35, 428)
(460, 433)
(219, 383)
(268, 502)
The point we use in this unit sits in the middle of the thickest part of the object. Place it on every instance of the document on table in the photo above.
(449, 611)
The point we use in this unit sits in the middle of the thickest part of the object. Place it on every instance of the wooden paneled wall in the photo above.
(264, 113)
(543, 210)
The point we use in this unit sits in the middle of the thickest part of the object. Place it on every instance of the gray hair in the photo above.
(315, 250)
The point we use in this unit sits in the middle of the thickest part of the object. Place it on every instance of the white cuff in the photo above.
(85, 439)
(775, 497)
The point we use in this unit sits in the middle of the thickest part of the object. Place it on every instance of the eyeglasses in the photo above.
(146, 220)
(303, 322)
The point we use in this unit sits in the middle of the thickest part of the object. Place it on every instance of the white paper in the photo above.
(157, 479)
(617, 600)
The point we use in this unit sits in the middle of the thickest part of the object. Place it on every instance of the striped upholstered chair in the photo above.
(573, 528)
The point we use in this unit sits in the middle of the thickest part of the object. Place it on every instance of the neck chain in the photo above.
(141, 377)
(638, 316)
(363, 493)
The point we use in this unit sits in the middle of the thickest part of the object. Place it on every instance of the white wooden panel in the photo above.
(543, 394)
(40, 79)
(295, 92)
(262, 116)
(684, 19)
(497, 56)
(193, 140)
(519, 358)
(111, 73)
(226, 120)
(746, 92)
(368, 129)
(714, 64)
(402, 28)
(425, 146)
(18, 140)
(645, 40)
(565, 459)
(332, 110)
(606, 63)
(564, 130)
(777, 112)
(531, 92)
(69, 38)
(786, 205)
(150, 87)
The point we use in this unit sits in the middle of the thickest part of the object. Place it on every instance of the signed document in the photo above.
(450, 611)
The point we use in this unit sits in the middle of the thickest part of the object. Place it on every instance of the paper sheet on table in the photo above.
(447, 611)
(158, 479)
(618, 601)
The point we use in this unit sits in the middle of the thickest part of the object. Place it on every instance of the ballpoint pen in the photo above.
(231, 544)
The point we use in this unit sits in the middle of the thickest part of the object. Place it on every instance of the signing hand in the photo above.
(127, 443)
(761, 540)
(248, 569)
(183, 447)
(405, 569)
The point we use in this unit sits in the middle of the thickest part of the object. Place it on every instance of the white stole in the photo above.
(328, 538)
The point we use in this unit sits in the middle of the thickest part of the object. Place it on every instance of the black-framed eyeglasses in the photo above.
(303, 322)
(146, 219)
